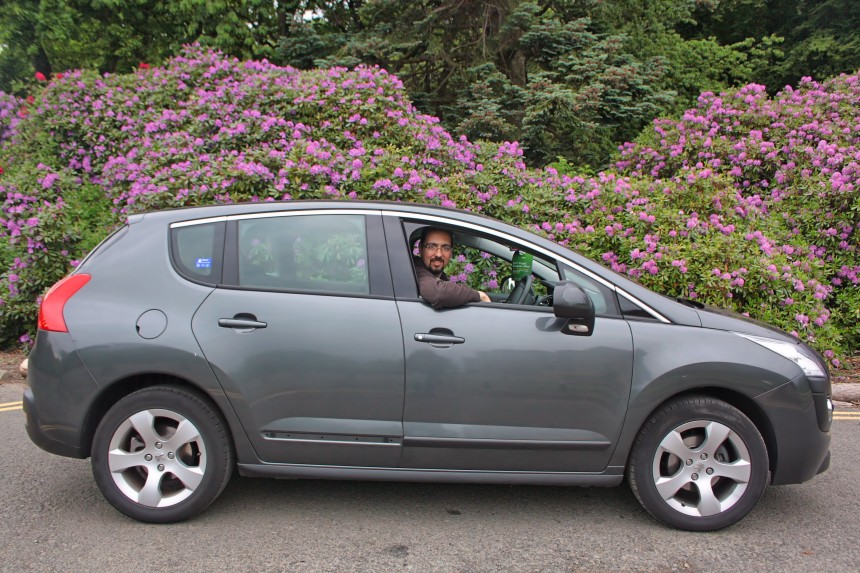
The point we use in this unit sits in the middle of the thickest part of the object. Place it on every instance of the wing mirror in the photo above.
(570, 302)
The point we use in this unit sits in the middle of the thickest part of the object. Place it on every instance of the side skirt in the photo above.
(613, 476)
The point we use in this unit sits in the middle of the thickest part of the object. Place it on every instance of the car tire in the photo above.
(698, 464)
(162, 454)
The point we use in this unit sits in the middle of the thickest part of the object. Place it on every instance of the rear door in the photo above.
(305, 338)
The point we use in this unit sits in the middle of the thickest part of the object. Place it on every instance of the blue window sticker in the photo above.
(203, 263)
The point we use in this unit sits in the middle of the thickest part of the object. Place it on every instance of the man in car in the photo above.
(435, 248)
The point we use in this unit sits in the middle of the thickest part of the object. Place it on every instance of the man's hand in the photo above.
(484, 297)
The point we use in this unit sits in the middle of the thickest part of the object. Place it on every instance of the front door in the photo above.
(512, 392)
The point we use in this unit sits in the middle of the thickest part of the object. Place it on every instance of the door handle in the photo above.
(242, 323)
(439, 338)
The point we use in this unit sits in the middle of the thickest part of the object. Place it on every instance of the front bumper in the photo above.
(800, 435)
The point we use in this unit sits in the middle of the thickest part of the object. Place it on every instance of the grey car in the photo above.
(290, 340)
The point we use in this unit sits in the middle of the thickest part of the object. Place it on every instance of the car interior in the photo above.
(535, 289)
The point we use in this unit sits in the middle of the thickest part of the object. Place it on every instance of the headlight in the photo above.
(797, 353)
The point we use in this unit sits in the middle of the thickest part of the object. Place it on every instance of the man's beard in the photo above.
(441, 268)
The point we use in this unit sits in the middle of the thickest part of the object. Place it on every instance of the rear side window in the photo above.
(323, 253)
(197, 251)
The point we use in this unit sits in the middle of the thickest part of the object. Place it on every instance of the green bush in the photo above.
(746, 201)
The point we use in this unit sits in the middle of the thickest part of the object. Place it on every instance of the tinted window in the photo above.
(326, 253)
(197, 251)
(632, 310)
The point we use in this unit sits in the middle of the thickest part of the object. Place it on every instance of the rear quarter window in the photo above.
(197, 251)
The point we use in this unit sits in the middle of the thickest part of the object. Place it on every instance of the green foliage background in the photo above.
(569, 79)
(747, 202)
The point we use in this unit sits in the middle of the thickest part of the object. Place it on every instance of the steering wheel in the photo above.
(521, 290)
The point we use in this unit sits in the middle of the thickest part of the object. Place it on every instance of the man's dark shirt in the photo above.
(440, 292)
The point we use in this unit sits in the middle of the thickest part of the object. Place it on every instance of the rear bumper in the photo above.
(61, 389)
(45, 439)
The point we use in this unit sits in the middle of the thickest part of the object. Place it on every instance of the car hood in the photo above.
(722, 319)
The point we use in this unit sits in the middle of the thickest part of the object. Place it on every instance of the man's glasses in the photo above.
(433, 247)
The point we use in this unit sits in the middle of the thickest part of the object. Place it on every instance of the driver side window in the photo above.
(490, 266)
(497, 270)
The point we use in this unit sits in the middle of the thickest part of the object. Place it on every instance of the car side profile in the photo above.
(290, 340)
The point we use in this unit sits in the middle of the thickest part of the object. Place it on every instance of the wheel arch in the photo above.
(126, 386)
(736, 399)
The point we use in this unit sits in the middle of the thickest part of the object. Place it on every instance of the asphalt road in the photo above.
(52, 518)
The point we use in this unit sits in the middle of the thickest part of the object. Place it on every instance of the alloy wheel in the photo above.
(701, 468)
(157, 458)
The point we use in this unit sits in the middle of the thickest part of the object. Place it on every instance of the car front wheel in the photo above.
(161, 455)
(698, 464)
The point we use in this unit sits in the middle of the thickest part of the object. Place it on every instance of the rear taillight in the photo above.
(51, 310)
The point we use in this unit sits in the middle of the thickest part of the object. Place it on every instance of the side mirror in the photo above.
(570, 302)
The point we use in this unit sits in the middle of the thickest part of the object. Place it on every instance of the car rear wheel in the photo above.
(161, 455)
(698, 464)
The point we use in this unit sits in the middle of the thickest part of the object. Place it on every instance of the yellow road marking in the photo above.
(11, 408)
(18, 403)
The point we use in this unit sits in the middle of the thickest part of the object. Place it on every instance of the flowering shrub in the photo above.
(745, 202)
(770, 188)
(10, 107)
